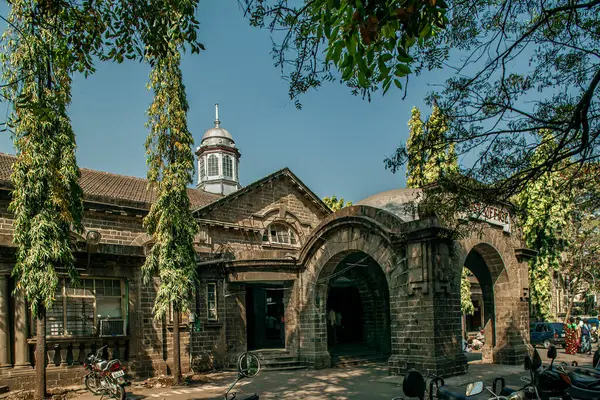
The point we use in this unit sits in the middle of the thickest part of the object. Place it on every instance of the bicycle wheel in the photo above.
(248, 364)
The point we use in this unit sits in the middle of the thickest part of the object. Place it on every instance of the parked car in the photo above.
(547, 334)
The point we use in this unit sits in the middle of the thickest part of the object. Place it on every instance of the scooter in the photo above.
(248, 366)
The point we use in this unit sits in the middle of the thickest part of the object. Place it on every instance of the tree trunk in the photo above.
(176, 348)
(40, 354)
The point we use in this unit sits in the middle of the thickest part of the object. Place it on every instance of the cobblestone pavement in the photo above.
(365, 382)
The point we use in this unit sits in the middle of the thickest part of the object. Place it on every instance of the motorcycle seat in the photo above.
(584, 381)
(458, 393)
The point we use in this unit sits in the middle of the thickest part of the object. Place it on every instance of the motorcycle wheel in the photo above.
(119, 392)
(92, 384)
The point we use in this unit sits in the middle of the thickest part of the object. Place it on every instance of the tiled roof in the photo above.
(112, 188)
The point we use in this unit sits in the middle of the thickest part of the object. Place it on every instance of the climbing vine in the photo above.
(544, 207)
(44, 45)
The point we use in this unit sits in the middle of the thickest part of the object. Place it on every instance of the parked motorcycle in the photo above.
(545, 383)
(104, 377)
(248, 366)
(414, 386)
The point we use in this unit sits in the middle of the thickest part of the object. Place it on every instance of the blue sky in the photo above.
(336, 144)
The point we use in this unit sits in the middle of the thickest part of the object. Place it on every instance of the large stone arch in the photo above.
(422, 268)
(357, 229)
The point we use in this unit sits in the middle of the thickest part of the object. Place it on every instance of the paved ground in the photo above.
(370, 382)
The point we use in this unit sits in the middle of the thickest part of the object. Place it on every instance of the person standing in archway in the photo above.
(331, 327)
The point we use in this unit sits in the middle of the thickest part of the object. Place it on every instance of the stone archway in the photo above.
(486, 264)
(494, 258)
(362, 232)
(356, 291)
(421, 267)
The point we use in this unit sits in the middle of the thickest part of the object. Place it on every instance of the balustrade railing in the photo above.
(64, 352)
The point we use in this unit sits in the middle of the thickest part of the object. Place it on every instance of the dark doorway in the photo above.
(264, 315)
(346, 302)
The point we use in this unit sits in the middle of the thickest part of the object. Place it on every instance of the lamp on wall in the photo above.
(92, 237)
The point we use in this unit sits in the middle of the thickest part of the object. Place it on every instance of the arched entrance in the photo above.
(358, 312)
(349, 264)
(502, 302)
(486, 265)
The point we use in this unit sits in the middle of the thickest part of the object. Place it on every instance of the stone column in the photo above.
(4, 323)
(426, 330)
(21, 334)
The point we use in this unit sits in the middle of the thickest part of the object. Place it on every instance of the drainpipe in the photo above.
(126, 306)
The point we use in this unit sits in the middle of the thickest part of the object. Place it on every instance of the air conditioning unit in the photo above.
(112, 327)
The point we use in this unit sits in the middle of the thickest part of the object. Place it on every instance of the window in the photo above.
(281, 234)
(213, 165)
(211, 301)
(237, 170)
(228, 167)
(77, 311)
(202, 170)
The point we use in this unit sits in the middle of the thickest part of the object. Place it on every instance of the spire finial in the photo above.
(217, 122)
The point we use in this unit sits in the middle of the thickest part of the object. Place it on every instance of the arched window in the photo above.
(202, 170)
(228, 167)
(280, 234)
(213, 165)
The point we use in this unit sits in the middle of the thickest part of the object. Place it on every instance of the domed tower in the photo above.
(218, 160)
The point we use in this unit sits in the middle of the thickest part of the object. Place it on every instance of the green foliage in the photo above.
(545, 208)
(334, 204)
(170, 170)
(466, 304)
(369, 43)
(430, 156)
(37, 64)
(44, 44)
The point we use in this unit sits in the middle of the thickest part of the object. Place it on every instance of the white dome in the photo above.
(401, 202)
(217, 133)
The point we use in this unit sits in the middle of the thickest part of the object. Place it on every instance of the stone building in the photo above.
(274, 261)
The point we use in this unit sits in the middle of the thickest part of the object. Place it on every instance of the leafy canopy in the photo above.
(367, 42)
(516, 67)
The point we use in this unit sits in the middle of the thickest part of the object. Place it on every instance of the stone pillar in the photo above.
(4, 323)
(21, 334)
(426, 329)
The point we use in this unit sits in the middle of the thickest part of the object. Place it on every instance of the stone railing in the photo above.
(70, 351)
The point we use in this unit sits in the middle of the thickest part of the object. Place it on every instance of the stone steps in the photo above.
(351, 360)
(278, 360)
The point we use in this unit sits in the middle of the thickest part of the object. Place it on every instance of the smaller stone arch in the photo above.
(490, 255)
